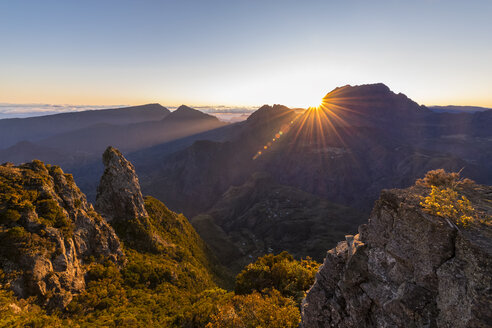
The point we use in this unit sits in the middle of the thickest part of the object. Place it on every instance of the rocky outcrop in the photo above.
(120, 201)
(406, 268)
(48, 233)
(118, 195)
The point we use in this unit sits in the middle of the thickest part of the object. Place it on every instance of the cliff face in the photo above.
(406, 268)
(48, 232)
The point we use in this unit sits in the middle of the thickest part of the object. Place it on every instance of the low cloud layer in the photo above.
(29, 110)
(7, 110)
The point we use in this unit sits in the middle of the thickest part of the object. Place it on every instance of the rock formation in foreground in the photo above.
(407, 268)
(48, 233)
(118, 195)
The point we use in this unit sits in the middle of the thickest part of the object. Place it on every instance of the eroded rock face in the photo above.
(48, 233)
(405, 268)
(118, 195)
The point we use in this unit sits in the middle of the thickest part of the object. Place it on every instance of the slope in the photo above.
(261, 217)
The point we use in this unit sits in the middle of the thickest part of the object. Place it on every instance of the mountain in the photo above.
(361, 140)
(34, 129)
(79, 141)
(93, 140)
(411, 265)
(78, 150)
(261, 217)
(48, 233)
(132, 263)
(207, 168)
(25, 151)
(184, 112)
(457, 109)
(69, 265)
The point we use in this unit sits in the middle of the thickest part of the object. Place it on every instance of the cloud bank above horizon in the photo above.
(9, 110)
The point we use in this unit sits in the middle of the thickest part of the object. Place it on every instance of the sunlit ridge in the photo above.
(317, 125)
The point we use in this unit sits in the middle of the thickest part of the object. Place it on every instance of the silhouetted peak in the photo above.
(267, 112)
(184, 108)
(371, 100)
(153, 106)
(362, 90)
(185, 112)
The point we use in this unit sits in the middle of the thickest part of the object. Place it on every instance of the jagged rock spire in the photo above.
(118, 195)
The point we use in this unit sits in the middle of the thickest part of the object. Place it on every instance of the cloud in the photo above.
(229, 114)
(8, 110)
(223, 109)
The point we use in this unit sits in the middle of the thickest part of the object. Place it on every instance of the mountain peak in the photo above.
(118, 194)
(267, 113)
(372, 101)
(152, 106)
(183, 108)
(184, 112)
(363, 89)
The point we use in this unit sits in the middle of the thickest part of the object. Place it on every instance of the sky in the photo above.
(241, 53)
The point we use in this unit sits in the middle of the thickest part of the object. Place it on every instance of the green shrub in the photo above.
(281, 272)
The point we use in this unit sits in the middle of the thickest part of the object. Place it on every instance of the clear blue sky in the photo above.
(242, 52)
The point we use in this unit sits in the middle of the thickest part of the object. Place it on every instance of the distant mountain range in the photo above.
(365, 139)
(82, 136)
(458, 109)
(338, 156)
(14, 130)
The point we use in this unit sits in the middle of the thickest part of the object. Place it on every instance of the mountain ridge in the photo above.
(35, 128)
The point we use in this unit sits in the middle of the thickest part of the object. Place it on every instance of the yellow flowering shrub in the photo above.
(445, 202)
(257, 311)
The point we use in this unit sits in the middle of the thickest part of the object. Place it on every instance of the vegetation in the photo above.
(280, 272)
(145, 293)
(150, 290)
(23, 189)
(445, 202)
(442, 179)
(257, 310)
(447, 198)
(170, 279)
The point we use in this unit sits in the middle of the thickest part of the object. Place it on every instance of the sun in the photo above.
(317, 106)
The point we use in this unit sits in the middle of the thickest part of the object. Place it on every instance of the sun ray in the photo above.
(320, 127)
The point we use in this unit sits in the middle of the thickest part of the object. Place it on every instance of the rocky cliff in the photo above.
(408, 268)
(48, 232)
(118, 195)
(83, 267)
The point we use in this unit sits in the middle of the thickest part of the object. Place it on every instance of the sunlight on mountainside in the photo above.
(315, 125)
